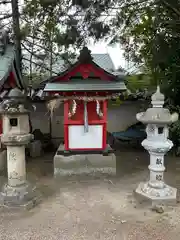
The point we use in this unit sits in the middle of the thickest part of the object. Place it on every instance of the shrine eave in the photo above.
(78, 87)
(6, 61)
(8, 65)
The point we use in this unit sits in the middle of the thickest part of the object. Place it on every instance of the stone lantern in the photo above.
(17, 191)
(157, 144)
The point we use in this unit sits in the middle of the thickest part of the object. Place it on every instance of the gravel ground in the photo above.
(94, 208)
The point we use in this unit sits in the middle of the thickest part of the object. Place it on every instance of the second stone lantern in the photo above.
(157, 144)
(17, 192)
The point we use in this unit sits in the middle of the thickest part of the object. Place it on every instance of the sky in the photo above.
(115, 53)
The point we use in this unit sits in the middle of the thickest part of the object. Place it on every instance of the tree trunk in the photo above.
(51, 54)
(17, 33)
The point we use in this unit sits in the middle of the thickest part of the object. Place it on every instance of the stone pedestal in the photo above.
(23, 196)
(17, 192)
(83, 164)
(156, 196)
(155, 189)
(16, 165)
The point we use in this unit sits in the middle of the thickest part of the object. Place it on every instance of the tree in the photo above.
(56, 28)
(17, 32)
(64, 26)
(148, 31)
(150, 35)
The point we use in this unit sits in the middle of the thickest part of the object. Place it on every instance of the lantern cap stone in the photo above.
(158, 96)
(15, 93)
(157, 114)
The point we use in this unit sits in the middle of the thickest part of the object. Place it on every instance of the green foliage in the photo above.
(175, 127)
(115, 103)
(175, 133)
(150, 36)
(34, 79)
(70, 22)
(138, 81)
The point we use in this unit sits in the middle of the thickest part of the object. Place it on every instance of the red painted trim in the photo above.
(1, 126)
(67, 139)
(81, 122)
(69, 122)
(85, 70)
(66, 110)
(105, 124)
(12, 80)
(85, 149)
(66, 135)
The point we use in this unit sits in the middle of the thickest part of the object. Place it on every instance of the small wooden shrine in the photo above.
(85, 88)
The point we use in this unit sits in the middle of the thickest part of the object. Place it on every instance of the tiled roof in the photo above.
(103, 60)
(6, 61)
(86, 86)
(8, 64)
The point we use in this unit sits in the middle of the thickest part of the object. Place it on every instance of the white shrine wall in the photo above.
(78, 138)
(40, 119)
(119, 118)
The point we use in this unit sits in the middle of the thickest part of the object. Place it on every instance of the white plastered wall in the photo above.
(119, 118)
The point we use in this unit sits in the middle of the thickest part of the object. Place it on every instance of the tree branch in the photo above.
(170, 7)
(31, 52)
(5, 2)
(42, 47)
(38, 64)
(4, 25)
(46, 49)
(5, 17)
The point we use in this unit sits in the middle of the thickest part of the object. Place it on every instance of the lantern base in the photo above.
(87, 164)
(22, 197)
(166, 195)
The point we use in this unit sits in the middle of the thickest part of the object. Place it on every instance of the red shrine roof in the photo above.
(85, 76)
(10, 76)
